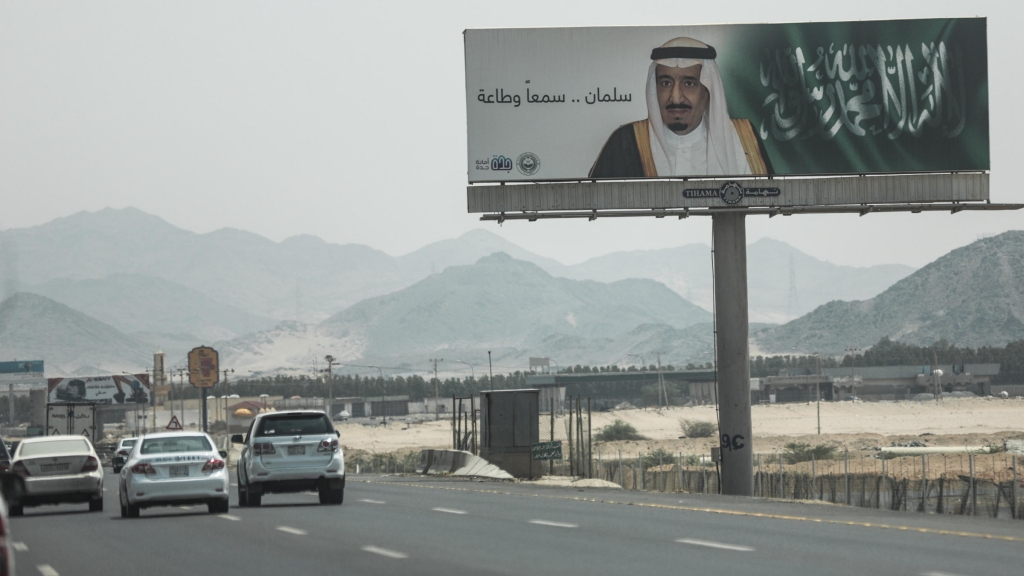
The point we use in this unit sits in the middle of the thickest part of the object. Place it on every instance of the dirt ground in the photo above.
(851, 425)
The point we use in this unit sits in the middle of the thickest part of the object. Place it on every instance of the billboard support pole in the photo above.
(733, 353)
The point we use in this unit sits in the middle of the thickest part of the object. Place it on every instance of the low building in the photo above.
(905, 382)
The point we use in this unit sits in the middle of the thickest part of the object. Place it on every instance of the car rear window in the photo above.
(295, 425)
(176, 444)
(71, 445)
(128, 443)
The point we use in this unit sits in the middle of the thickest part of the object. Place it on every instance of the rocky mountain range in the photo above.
(972, 296)
(308, 280)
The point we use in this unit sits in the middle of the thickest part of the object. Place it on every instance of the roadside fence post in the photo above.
(760, 478)
(846, 475)
(973, 490)
(924, 483)
(814, 475)
(1013, 489)
(640, 465)
(622, 481)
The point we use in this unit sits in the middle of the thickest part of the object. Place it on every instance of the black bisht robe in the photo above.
(620, 157)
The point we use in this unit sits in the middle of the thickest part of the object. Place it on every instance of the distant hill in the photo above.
(306, 279)
(137, 304)
(34, 327)
(973, 296)
(687, 270)
(500, 301)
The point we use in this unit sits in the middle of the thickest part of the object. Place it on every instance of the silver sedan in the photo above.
(173, 468)
(58, 469)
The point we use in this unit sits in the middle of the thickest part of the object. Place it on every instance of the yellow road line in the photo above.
(720, 511)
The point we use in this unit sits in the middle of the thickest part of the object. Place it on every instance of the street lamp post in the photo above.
(330, 386)
(471, 371)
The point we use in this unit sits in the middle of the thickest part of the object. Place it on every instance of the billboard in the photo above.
(121, 390)
(203, 367)
(748, 100)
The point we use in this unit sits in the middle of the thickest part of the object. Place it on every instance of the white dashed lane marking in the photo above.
(555, 524)
(47, 570)
(719, 545)
(368, 501)
(290, 530)
(385, 552)
(229, 517)
(448, 510)
(20, 546)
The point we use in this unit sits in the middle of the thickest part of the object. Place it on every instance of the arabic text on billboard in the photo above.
(733, 100)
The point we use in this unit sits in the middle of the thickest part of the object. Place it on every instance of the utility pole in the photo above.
(437, 397)
(661, 382)
(817, 386)
(330, 386)
(384, 392)
(490, 369)
(853, 361)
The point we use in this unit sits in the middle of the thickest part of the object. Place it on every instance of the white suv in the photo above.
(292, 451)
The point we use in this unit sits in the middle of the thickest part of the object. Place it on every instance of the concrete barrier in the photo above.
(458, 463)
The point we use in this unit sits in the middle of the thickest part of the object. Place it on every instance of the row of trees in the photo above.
(885, 353)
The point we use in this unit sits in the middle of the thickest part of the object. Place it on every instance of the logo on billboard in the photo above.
(528, 163)
(730, 192)
(501, 163)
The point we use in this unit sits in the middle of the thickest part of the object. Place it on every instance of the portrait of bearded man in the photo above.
(688, 131)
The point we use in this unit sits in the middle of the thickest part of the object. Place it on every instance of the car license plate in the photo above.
(62, 467)
(296, 450)
(179, 471)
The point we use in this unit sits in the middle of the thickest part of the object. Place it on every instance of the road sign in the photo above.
(203, 367)
(174, 424)
(546, 450)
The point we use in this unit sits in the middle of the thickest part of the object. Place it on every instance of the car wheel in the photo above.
(124, 511)
(16, 510)
(133, 511)
(328, 496)
(242, 494)
(96, 505)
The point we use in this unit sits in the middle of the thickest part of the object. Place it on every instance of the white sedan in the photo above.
(58, 469)
(173, 468)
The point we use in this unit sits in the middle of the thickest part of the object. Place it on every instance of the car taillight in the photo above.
(328, 445)
(213, 464)
(263, 448)
(91, 464)
(19, 468)
(122, 452)
(143, 468)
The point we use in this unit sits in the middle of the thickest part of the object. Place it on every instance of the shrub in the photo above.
(796, 452)
(618, 430)
(659, 456)
(698, 429)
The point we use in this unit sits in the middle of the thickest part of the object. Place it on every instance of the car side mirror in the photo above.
(12, 486)
(337, 433)
(237, 439)
(223, 453)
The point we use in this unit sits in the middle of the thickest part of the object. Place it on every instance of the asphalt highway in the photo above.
(413, 525)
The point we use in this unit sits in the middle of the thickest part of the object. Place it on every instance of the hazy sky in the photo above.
(347, 120)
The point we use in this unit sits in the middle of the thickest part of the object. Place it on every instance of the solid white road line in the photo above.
(555, 524)
(47, 570)
(20, 546)
(448, 510)
(710, 544)
(291, 530)
(229, 517)
(385, 552)
(368, 501)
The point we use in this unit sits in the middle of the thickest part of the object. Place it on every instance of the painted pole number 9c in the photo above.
(734, 443)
